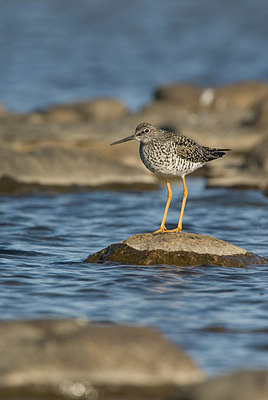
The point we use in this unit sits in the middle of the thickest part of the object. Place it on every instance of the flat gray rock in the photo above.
(65, 167)
(80, 360)
(182, 249)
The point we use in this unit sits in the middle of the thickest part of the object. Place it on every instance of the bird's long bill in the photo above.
(123, 140)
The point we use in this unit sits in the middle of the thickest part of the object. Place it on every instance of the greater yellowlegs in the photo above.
(169, 154)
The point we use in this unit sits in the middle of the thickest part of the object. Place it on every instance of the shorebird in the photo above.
(168, 154)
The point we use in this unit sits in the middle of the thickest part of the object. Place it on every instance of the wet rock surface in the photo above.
(242, 385)
(68, 144)
(76, 359)
(181, 249)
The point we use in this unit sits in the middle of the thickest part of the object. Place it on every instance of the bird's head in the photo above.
(144, 133)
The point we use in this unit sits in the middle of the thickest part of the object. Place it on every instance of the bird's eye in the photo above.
(146, 130)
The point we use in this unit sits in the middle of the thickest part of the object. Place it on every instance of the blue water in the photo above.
(218, 315)
(62, 50)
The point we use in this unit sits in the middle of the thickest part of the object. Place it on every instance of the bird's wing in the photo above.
(192, 151)
(188, 149)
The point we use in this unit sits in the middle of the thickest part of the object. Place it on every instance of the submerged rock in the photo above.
(76, 359)
(241, 385)
(184, 249)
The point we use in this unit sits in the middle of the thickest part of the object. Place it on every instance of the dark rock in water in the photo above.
(241, 385)
(76, 359)
(182, 249)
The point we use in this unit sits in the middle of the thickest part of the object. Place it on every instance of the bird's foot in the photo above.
(161, 230)
(176, 230)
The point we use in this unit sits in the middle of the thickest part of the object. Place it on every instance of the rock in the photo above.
(102, 109)
(66, 167)
(240, 95)
(106, 109)
(250, 172)
(242, 385)
(261, 120)
(237, 180)
(68, 145)
(75, 155)
(209, 127)
(257, 158)
(243, 95)
(77, 359)
(2, 110)
(185, 96)
(165, 115)
(182, 249)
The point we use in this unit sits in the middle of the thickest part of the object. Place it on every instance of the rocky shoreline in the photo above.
(66, 147)
(67, 359)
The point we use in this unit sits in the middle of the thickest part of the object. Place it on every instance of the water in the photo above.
(218, 315)
(61, 50)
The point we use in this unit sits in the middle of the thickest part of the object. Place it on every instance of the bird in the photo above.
(168, 154)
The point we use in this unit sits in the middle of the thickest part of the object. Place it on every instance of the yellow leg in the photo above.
(185, 194)
(162, 226)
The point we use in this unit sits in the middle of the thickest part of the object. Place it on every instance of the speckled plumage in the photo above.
(170, 154)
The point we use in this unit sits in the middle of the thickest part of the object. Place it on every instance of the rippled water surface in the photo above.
(219, 315)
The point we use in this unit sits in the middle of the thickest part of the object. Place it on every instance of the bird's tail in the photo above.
(212, 154)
